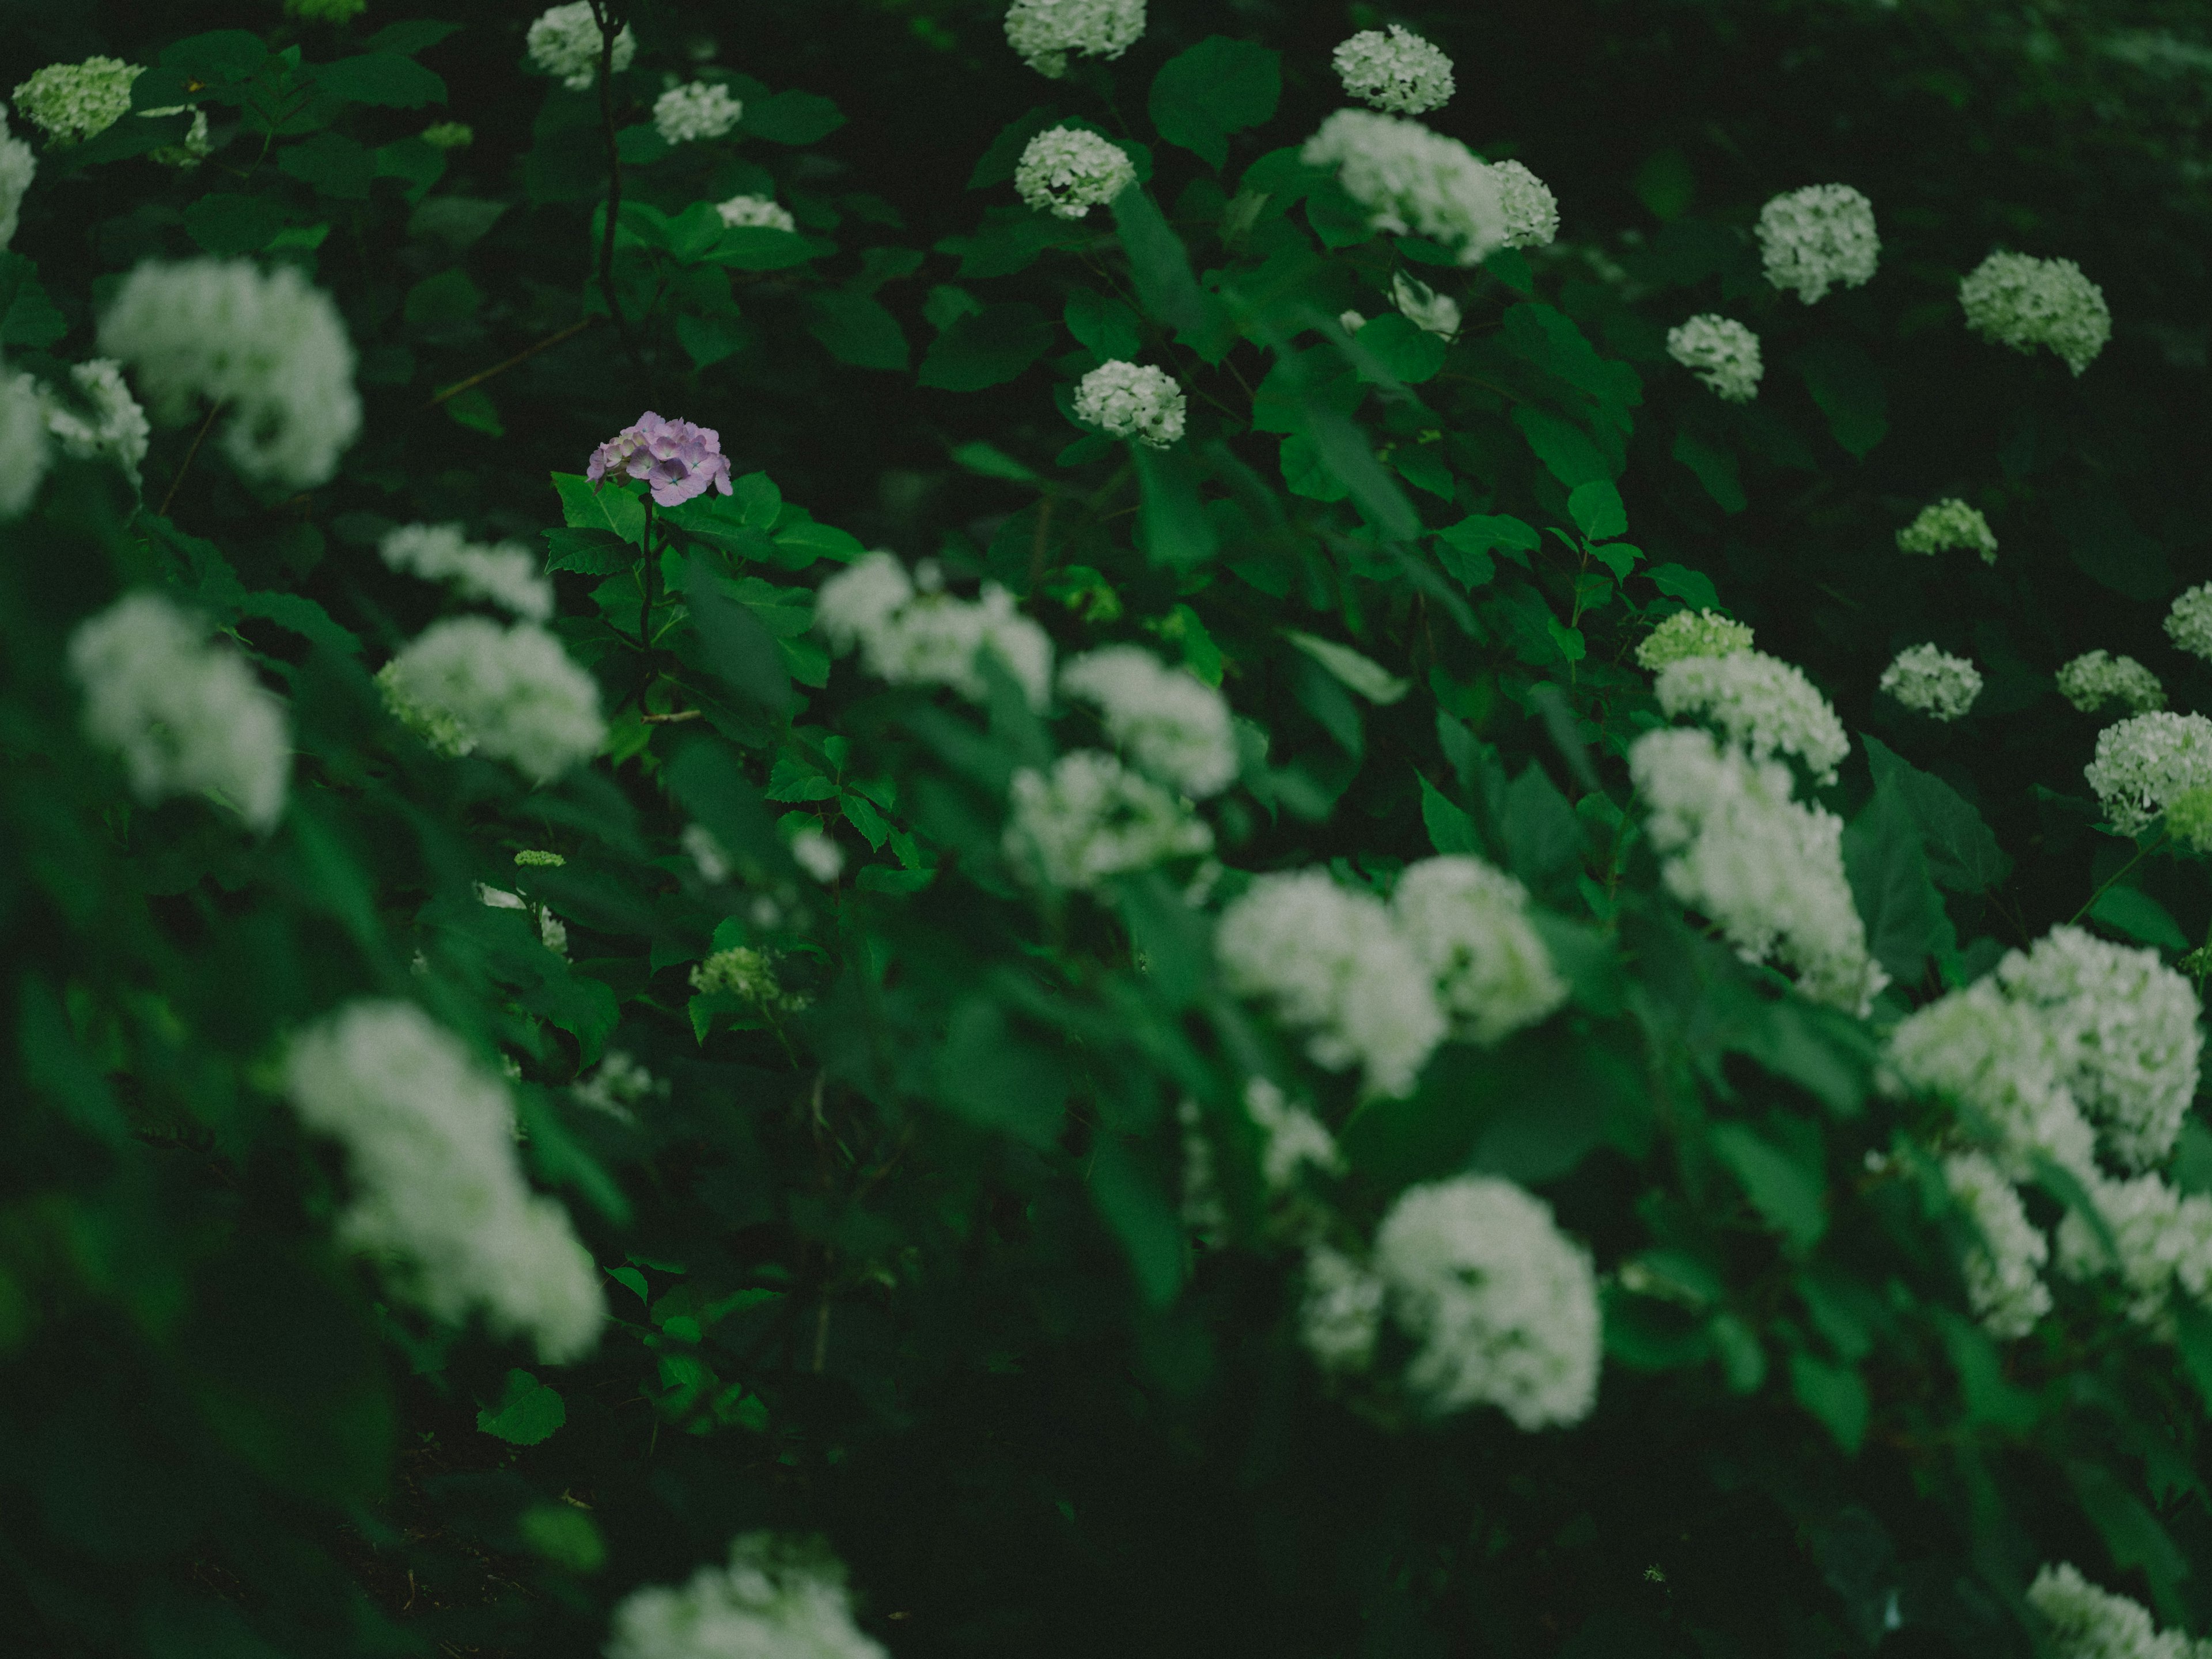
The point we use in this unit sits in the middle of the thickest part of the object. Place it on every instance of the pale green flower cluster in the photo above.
(18, 167)
(2145, 763)
(72, 102)
(439, 1198)
(187, 717)
(1818, 238)
(1765, 706)
(25, 449)
(1950, 523)
(2189, 818)
(1131, 400)
(746, 974)
(2096, 678)
(2189, 623)
(2128, 1036)
(508, 575)
(1469, 924)
(1167, 720)
(1932, 682)
(1424, 307)
(2024, 302)
(1044, 32)
(1395, 69)
(1334, 964)
(1091, 818)
(1532, 212)
(1722, 352)
(1413, 181)
(756, 213)
(268, 346)
(2004, 1271)
(1768, 870)
(2089, 1623)
(1692, 634)
(564, 43)
(777, 1599)
(512, 692)
(1503, 1306)
(908, 637)
(696, 109)
(1069, 171)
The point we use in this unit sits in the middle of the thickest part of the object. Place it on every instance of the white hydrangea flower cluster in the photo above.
(72, 102)
(1292, 1137)
(1722, 352)
(437, 1193)
(1395, 69)
(18, 167)
(1169, 721)
(2128, 1034)
(1131, 400)
(108, 424)
(776, 1597)
(25, 451)
(187, 717)
(1413, 180)
(1044, 32)
(2143, 763)
(1978, 1049)
(1932, 682)
(1424, 307)
(564, 43)
(2189, 623)
(1341, 1313)
(2024, 302)
(1468, 922)
(506, 576)
(818, 855)
(467, 682)
(1948, 523)
(1333, 963)
(2089, 1623)
(1765, 706)
(2163, 1242)
(2096, 678)
(2004, 1282)
(266, 344)
(913, 638)
(1503, 1306)
(1692, 634)
(756, 213)
(1069, 171)
(1818, 238)
(1768, 870)
(1532, 212)
(1091, 818)
(696, 109)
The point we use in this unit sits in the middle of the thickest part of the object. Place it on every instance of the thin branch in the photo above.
(198, 438)
(524, 356)
(603, 13)
(671, 720)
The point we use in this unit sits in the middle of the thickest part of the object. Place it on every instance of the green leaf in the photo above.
(791, 118)
(2131, 1533)
(1138, 1209)
(1466, 546)
(1715, 468)
(732, 641)
(221, 57)
(2131, 911)
(527, 1412)
(475, 409)
(987, 460)
(418, 35)
(387, 79)
(587, 552)
(28, 316)
(609, 507)
(761, 247)
(334, 165)
(1566, 451)
(1450, 829)
(1344, 451)
(1174, 529)
(1786, 1189)
(2111, 549)
(1597, 511)
(856, 329)
(1902, 912)
(998, 1079)
(709, 339)
(996, 164)
(1549, 339)
(988, 349)
(1107, 327)
(1161, 267)
(564, 1535)
(232, 222)
(808, 540)
(1836, 1395)
(1362, 674)
(1401, 350)
(1542, 837)
(1847, 387)
(1666, 184)
(134, 135)
(1216, 87)
(1177, 941)
(443, 301)
(1962, 853)
(1693, 587)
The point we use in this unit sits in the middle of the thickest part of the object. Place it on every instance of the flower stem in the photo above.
(198, 438)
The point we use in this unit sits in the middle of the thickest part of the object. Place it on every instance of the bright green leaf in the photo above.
(527, 1412)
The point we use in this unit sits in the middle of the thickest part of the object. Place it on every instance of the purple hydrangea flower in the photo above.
(677, 457)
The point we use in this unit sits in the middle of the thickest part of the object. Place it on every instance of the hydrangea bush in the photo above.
(1158, 853)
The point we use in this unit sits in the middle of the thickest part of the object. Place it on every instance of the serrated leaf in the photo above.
(856, 329)
(1715, 468)
(231, 222)
(1401, 350)
(1787, 1191)
(1888, 875)
(587, 552)
(1962, 853)
(608, 507)
(1568, 453)
(1598, 513)
(526, 1414)
(1216, 87)
(990, 348)
(386, 79)
(2131, 911)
